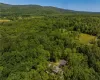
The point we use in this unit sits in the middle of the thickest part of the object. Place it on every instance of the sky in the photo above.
(78, 5)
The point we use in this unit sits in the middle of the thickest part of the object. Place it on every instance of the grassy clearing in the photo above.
(4, 20)
(86, 39)
(32, 17)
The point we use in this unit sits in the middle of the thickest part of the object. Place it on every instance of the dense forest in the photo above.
(49, 47)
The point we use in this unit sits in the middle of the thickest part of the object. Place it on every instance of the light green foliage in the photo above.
(86, 39)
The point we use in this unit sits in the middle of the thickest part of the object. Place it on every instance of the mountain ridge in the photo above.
(34, 10)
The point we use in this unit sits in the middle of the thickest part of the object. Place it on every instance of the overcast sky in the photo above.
(79, 5)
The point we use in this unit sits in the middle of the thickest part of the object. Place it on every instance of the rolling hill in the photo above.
(9, 10)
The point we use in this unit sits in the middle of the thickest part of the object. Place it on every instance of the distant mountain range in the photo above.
(28, 10)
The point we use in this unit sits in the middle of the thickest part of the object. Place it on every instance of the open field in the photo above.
(4, 20)
(86, 38)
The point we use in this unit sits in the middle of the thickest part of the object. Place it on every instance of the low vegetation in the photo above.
(4, 20)
(86, 38)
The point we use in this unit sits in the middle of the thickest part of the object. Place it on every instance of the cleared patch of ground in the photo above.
(4, 20)
(30, 17)
(86, 38)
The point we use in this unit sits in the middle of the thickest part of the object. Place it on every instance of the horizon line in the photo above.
(52, 6)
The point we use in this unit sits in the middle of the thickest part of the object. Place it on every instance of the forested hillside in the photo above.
(15, 11)
(7, 10)
(51, 47)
